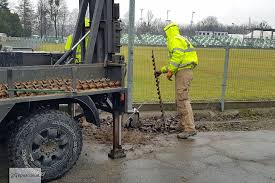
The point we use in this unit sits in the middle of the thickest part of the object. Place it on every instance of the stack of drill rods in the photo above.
(158, 89)
(33, 88)
(3, 91)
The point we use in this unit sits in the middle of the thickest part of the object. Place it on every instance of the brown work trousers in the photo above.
(183, 81)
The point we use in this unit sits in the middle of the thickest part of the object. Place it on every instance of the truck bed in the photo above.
(15, 100)
(11, 76)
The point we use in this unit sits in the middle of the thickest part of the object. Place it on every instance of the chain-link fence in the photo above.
(251, 73)
(36, 44)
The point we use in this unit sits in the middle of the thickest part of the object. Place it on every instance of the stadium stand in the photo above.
(203, 41)
(159, 40)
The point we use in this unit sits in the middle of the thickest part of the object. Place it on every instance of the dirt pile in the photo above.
(242, 114)
(104, 133)
(238, 120)
(172, 124)
(150, 127)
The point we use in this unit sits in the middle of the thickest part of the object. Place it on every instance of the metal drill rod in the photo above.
(158, 88)
(63, 59)
(53, 86)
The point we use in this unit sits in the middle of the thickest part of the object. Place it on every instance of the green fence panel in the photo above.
(251, 74)
(206, 84)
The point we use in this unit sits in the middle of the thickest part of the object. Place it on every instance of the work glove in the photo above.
(169, 75)
(157, 74)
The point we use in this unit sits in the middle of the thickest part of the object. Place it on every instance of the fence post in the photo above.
(131, 39)
(225, 76)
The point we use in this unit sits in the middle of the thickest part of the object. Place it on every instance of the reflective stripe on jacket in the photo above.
(182, 54)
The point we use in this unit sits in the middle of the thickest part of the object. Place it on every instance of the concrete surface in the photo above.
(210, 157)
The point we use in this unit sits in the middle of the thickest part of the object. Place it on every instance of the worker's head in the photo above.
(172, 30)
(87, 24)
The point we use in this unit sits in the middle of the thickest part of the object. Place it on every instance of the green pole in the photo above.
(225, 77)
(131, 39)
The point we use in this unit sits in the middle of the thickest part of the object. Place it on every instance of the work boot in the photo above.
(185, 135)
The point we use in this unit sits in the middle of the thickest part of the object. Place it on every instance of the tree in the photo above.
(150, 18)
(62, 18)
(151, 25)
(54, 8)
(73, 15)
(210, 24)
(125, 23)
(264, 25)
(43, 19)
(4, 5)
(15, 25)
(9, 22)
(25, 12)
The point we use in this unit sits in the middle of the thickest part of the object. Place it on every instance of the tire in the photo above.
(3, 134)
(50, 140)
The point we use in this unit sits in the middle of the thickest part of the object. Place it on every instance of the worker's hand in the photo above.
(169, 75)
(157, 74)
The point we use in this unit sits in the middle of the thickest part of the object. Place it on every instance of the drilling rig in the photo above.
(34, 86)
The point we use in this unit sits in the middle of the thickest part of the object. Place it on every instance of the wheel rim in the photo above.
(49, 146)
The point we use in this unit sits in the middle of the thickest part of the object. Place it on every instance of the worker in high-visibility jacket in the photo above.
(182, 60)
(69, 42)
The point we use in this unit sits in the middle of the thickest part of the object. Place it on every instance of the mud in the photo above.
(237, 124)
(206, 121)
(104, 133)
(241, 114)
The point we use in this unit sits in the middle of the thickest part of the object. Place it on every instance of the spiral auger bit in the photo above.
(162, 126)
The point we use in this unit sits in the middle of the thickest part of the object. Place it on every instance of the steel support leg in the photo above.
(72, 110)
(117, 152)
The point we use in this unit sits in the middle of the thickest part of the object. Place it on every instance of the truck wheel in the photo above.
(50, 140)
(3, 133)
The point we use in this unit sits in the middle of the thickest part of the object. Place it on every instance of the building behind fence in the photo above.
(241, 68)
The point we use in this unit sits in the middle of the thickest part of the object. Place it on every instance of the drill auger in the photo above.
(158, 92)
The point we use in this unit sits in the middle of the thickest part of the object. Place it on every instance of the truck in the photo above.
(35, 87)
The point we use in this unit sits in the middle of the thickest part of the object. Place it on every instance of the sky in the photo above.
(227, 11)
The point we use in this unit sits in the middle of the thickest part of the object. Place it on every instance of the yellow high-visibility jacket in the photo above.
(69, 45)
(182, 54)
